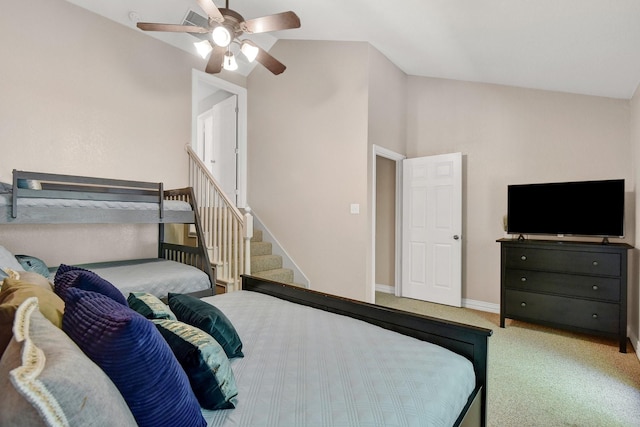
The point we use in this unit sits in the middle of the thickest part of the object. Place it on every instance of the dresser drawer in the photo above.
(593, 287)
(584, 314)
(598, 263)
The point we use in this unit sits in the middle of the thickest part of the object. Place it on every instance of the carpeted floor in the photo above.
(547, 377)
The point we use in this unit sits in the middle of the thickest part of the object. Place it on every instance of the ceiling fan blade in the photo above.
(269, 62)
(211, 9)
(150, 26)
(279, 21)
(214, 65)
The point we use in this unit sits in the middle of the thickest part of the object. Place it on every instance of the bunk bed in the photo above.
(46, 198)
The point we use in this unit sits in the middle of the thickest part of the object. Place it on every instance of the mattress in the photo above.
(168, 205)
(153, 275)
(308, 367)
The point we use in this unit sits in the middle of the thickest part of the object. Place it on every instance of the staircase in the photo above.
(266, 265)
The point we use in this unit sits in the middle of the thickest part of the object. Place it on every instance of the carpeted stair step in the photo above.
(261, 248)
(265, 262)
(257, 235)
(283, 275)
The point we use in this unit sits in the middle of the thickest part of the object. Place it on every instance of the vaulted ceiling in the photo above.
(588, 47)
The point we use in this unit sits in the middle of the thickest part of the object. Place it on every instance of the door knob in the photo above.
(456, 237)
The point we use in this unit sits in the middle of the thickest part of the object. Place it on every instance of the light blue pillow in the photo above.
(8, 260)
(150, 306)
(204, 361)
(31, 263)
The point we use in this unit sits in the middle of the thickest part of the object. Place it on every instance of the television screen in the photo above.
(584, 208)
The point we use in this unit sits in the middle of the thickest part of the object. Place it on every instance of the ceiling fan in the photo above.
(226, 26)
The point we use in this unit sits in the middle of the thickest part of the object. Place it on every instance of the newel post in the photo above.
(248, 234)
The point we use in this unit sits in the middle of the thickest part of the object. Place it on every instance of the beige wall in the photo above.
(634, 288)
(84, 95)
(307, 159)
(509, 136)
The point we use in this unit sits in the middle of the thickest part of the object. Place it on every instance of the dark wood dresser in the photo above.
(576, 286)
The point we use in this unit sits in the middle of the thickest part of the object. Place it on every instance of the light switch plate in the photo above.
(355, 208)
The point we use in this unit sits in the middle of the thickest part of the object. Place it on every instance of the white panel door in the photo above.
(431, 229)
(216, 143)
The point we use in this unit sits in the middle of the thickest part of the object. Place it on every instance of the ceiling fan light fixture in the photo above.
(203, 47)
(249, 50)
(229, 63)
(221, 36)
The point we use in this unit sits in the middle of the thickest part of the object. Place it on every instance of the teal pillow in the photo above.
(31, 263)
(195, 312)
(204, 361)
(149, 306)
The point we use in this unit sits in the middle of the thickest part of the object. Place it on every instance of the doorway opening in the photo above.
(387, 221)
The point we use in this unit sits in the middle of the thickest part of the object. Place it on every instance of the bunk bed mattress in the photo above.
(307, 367)
(36, 202)
(153, 275)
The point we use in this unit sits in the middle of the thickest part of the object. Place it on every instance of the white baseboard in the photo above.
(385, 289)
(635, 341)
(481, 306)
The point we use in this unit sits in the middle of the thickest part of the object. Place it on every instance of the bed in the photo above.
(306, 359)
(44, 198)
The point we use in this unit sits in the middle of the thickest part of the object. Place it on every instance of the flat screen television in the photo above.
(583, 208)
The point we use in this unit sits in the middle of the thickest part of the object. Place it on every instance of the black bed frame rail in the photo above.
(196, 256)
(469, 341)
(58, 186)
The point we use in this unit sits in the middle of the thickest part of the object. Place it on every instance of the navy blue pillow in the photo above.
(131, 351)
(204, 361)
(88, 281)
(195, 312)
(64, 268)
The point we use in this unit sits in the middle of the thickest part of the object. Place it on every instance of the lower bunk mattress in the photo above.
(307, 367)
(156, 276)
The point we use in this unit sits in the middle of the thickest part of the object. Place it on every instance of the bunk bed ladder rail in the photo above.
(196, 256)
(227, 231)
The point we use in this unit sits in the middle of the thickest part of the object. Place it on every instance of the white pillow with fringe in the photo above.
(48, 381)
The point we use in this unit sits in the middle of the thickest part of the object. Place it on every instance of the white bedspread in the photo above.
(154, 275)
(168, 205)
(307, 367)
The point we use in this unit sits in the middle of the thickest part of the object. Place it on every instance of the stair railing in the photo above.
(227, 231)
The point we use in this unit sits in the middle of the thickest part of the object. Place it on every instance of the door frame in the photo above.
(378, 151)
(200, 81)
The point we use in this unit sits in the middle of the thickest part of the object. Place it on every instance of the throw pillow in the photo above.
(7, 260)
(204, 361)
(31, 263)
(132, 352)
(150, 306)
(43, 378)
(88, 281)
(195, 312)
(15, 292)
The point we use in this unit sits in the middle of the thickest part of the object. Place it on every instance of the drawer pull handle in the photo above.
(523, 257)
(523, 304)
(523, 279)
(595, 263)
(595, 287)
(594, 315)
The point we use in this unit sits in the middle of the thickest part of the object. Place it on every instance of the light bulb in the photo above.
(229, 62)
(249, 50)
(221, 36)
(203, 47)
